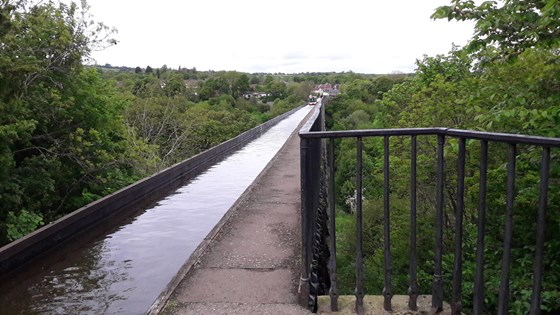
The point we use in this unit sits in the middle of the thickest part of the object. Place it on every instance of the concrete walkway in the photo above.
(252, 264)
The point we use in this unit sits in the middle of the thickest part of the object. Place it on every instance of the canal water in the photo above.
(122, 269)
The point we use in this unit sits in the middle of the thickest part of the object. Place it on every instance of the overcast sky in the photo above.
(290, 36)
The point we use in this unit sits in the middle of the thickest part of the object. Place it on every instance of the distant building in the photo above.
(249, 95)
(191, 84)
(326, 89)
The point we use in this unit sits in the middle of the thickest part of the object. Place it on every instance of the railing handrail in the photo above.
(471, 134)
(318, 215)
(308, 125)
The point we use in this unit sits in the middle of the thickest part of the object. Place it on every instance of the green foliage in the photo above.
(70, 134)
(210, 127)
(457, 90)
(69, 142)
(22, 223)
(525, 95)
(174, 85)
(232, 83)
(60, 127)
(281, 106)
(512, 25)
(276, 89)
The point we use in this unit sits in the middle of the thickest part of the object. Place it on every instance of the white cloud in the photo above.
(276, 36)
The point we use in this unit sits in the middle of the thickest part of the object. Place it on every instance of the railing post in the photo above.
(332, 229)
(456, 306)
(387, 289)
(478, 294)
(319, 278)
(314, 222)
(413, 288)
(539, 250)
(303, 290)
(359, 255)
(437, 292)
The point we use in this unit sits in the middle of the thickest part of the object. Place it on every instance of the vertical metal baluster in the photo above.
(478, 298)
(456, 306)
(437, 292)
(303, 290)
(387, 290)
(359, 258)
(539, 254)
(333, 291)
(503, 301)
(413, 288)
(313, 205)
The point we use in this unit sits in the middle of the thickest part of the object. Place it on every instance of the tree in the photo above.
(254, 80)
(302, 89)
(385, 83)
(174, 85)
(521, 95)
(360, 89)
(149, 70)
(6, 10)
(242, 84)
(237, 83)
(62, 141)
(147, 86)
(158, 120)
(512, 26)
(137, 70)
(213, 87)
(276, 88)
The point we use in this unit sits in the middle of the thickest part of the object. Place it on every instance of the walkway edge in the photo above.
(162, 299)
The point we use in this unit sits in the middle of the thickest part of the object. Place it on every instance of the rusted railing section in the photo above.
(317, 172)
(315, 259)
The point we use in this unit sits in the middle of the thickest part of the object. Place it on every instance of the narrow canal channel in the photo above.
(122, 269)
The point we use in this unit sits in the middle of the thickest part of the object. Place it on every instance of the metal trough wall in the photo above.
(122, 201)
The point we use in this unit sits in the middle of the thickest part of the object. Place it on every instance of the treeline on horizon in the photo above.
(193, 73)
(507, 79)
(72, 133)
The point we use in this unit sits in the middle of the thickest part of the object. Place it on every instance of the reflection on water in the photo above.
(123, 269)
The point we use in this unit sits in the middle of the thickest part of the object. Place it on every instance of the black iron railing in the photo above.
(318, 214)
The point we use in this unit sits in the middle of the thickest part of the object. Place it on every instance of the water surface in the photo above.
(122, 269)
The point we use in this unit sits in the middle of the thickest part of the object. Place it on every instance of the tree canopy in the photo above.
(511, 26)
(62, 141)
(507, 79)
(70, 133)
